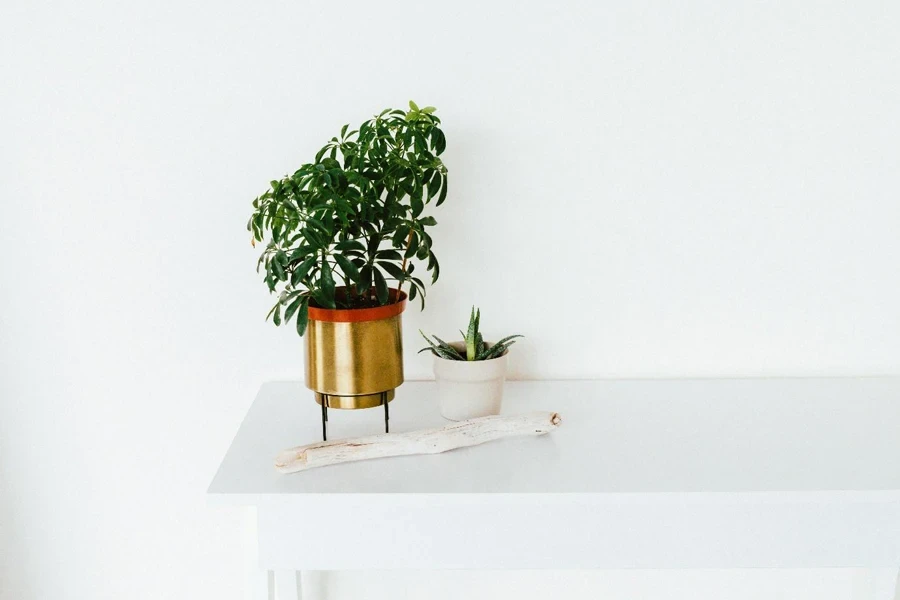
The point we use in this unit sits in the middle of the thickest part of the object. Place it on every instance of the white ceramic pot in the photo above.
(469, 389)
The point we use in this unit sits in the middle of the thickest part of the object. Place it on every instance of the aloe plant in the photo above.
(476, 348)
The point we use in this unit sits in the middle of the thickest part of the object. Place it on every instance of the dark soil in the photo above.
(355, 301)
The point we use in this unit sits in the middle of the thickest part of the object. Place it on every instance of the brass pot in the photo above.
(354, 357)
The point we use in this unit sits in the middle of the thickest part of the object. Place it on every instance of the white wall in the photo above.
(642, 188)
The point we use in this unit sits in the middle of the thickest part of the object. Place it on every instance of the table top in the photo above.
(617, 436)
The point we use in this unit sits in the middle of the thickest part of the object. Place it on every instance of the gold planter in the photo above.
(354, 358)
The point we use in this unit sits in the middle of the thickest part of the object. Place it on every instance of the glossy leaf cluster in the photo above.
(346, 228)
(476, 348)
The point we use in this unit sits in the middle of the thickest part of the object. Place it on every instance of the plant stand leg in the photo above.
(387, 414)
(324, 419)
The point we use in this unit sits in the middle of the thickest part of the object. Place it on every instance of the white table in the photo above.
(786, 473)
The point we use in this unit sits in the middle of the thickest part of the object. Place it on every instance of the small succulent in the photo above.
(476, 349)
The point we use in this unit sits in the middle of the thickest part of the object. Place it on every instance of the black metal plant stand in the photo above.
(384, 402)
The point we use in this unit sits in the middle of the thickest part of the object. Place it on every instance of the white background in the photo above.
(642, 189)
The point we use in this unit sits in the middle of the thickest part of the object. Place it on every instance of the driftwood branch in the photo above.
(426, 441)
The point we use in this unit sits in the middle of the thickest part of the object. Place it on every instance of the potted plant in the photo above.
(342, 236)
(470, 373)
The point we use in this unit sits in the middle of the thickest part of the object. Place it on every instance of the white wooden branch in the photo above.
(425, 441)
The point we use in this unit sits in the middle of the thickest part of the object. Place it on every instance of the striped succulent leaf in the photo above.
(476, 348)
(472, 333)
(441, 348)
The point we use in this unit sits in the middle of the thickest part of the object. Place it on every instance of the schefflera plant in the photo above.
(354, 216)
(476, 348)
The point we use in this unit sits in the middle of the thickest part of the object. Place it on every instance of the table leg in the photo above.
(885, 584)
(287, 585)
(259, 584)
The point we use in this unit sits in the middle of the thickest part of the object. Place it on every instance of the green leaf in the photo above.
(494, 351)
(413, 246)
(421, 297)
(303, 315)
(381, 286)
(349, 269)
(302, 251)
(272, 310)
(374, 241)
(412, 106)
(482, 354)
(446, 351)
(507, 339)
(399, 238)
(471, 335)
(277, 317)
(388, 254)
(434, 266)
(428, 110)
(322, 299)
(278, 270)
(327, 280)
(302, 270)
(292, 308)
(428, 221)
(314, 238)
(443, 195)
(417, 205)
(365, 278)
(443, 350)
(438, 141)
(318, 225)
(434, 184)
(440, 352)
(499, 348)
(393, 270)
(350, 245)
(448, 348)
